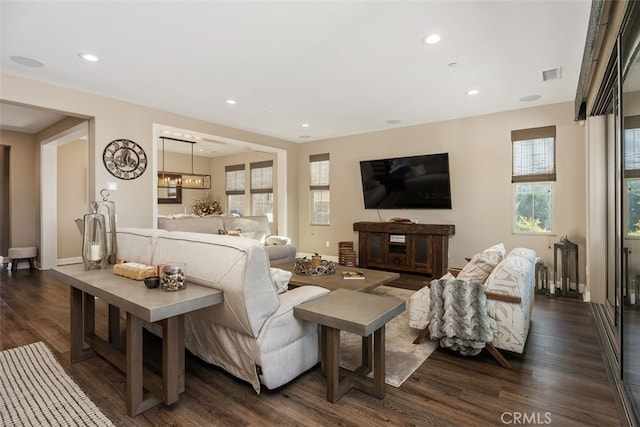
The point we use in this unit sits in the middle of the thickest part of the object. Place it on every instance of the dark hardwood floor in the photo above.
(560, 380)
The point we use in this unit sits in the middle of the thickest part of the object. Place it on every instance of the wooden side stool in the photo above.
(28, 253)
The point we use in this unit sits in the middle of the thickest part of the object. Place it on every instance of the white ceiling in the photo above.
(342, 67)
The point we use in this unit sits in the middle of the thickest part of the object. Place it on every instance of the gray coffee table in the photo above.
(359, 313)
(372, 278)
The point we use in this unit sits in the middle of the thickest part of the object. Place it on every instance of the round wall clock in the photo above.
(124, 159)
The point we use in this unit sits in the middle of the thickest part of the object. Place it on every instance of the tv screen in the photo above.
(415, 182)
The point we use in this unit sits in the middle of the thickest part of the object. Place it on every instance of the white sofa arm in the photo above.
(282, 328)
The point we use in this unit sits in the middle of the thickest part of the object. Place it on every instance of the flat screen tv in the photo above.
(415, 182)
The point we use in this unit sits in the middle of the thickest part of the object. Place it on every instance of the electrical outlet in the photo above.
(326, 243)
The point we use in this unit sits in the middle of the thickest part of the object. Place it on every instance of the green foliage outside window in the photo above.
(533, 207)
(633, 186)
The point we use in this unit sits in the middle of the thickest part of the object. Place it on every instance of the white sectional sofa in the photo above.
(279, 248)
(513, 276)
(253, 333)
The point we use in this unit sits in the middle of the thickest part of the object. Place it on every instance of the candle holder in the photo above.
(94, 240)
(108, 209)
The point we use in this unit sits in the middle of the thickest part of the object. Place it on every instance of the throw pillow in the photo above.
(280, 279)
(222, 232)
(277, 240)
(481, 265)
(497, 248)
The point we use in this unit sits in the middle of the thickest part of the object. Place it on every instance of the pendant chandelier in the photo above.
(182, 179)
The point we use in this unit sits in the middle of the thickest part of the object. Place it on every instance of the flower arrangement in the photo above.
(204, 207)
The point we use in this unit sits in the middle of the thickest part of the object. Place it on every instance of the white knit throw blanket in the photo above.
(459, 317)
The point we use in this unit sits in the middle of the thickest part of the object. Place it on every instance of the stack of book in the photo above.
(351, 275)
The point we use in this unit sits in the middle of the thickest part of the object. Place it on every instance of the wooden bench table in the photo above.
(362, 314)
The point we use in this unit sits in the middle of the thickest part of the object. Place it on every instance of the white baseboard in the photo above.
(67, 261)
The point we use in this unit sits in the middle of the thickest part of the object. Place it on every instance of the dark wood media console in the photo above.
(417, 248)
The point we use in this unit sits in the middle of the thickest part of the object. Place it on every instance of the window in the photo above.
(234, 176)
(262, 189)
(319, 189)
(632, 173)
(533, 175)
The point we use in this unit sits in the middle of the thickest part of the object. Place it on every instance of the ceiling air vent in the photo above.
(552, 74)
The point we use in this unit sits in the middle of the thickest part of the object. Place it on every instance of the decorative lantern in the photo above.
(568, 264)
(94, 240)
(108, 210)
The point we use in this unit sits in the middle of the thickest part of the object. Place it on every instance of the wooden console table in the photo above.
(140, 304)
(416, 248)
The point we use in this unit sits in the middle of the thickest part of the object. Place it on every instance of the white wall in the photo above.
(24, 206)
(72, 196)
(480, 164)
(112, 119)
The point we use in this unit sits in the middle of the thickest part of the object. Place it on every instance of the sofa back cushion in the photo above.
(514, 274)
(237, 266)
(206, 224)
(254, 227)
(137, 244)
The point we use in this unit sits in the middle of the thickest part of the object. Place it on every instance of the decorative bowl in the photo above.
(304, 266)
(152, 282)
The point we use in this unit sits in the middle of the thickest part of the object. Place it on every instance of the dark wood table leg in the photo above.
(136, 403)
(323, 350)
(367, 353)
(114, 327)
(173, 359)
(378, 363)
(77, 320)
(89, 315)
(332, 363)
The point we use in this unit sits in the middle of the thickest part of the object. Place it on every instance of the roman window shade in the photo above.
(262, 177)
(234, 179)
(319, 164)
(533, 154)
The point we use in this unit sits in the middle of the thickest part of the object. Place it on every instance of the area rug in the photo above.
(402, 357)
(36, 391)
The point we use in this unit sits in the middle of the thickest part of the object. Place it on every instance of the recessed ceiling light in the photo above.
(305, 125)
(473, 92)
(393, 121)
(431, 39)
(201, 150)
(530, 98)
(305, 136)
(89, 57)
(231, 101)
(27, 62)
